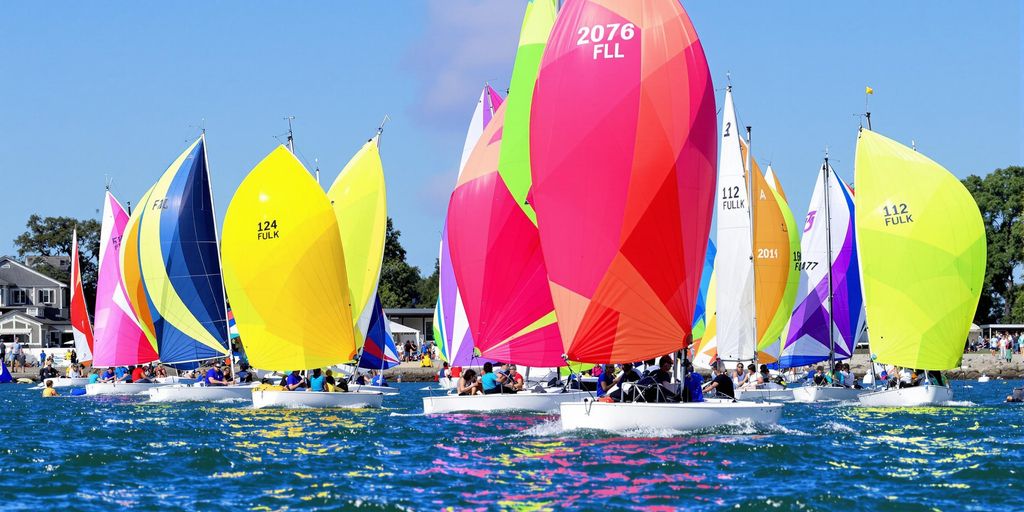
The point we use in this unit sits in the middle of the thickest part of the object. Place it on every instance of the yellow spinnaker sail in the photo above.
(284, 269)
(131, 271)
(922, 251)
(360, 205)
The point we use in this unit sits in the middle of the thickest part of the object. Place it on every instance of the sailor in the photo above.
(317, 381)
(48, 372)
(720, 383)
(214, 376)
(378, 379)
(294, 381)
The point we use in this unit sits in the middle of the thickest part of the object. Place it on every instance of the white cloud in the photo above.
(465, 43)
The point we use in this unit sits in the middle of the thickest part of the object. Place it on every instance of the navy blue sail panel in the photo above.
(182, 274)
(379, 351)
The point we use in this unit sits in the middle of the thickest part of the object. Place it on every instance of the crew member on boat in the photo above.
(378, 379)
(139, 375)
(720, 383)
(494, 383)
(694, 384)
(317, 381)
(468, 384)
(121, 374)
(108, 376)
(48, 372)
(214, 376)
(294, 381)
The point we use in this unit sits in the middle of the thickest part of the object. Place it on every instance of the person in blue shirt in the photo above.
(378, 379)
(606, 381)
(489, 381)
(120, 374)
(108, 375)
(214, 376)
(694, 384)
(94, 376)
(316, 382)
(294, 381)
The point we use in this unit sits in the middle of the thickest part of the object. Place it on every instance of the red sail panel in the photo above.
(498, 264)
(623, 150)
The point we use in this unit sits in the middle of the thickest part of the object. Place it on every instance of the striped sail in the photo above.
(622, 153)
(706, 351)
(772, 337)
(701, 312)
(118, 337)
(81, 326)
(131, 273)
(359, 198)
(284, 269)
(379, 351)
(179, 261)
(922, 252)
(452, 332)
(808, 340)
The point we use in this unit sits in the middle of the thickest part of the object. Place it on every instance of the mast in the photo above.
(291, 140)
(753, 260)
(828, 261)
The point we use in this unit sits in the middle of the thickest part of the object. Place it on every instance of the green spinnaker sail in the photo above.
(514, 162)
(922, 251)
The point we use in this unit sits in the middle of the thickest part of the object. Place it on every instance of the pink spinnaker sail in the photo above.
(498, 263)
(623, 151)
(118, 339)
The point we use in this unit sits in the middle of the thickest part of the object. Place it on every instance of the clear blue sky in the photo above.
(97, 89)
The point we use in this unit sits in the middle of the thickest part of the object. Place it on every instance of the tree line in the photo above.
(1000, 197)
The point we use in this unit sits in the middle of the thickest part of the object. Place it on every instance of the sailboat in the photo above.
(771, 207)
(178, 263)
(452, 334)
(81, 326)
(284, 270)
(359, 199)
(756, 281)
(118, 338)
(623, 184)
(922, 253)
(829, 319)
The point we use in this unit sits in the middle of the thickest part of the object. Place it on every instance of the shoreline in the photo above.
(974, 365)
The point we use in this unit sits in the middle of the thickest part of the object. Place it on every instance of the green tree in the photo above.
(1000, 197)
(51, 236)
(428, 287)
(398, 279)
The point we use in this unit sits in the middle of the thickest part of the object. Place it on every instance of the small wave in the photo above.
(832, 426)
(406, 414)
(235, 400)
(544, 429)
(959, 403)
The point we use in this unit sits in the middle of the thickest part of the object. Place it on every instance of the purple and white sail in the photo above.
(828, 243)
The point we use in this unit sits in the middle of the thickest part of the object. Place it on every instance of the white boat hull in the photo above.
(810, 394)
(174, 379)
(765, 395)
(384, 390)
(524, 401)
(187, 393)
(918, 396)
(672, 416)
(65, 382)
(120, 388)
(316, 399)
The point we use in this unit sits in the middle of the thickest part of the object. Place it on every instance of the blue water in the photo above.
(109, 453)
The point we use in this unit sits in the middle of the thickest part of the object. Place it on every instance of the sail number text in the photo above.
(606, 38)
(266, 230)
(896, 214)
(767, 254)
(731, 198)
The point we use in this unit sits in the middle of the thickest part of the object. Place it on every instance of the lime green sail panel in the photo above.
(514, 162)
(922, 250)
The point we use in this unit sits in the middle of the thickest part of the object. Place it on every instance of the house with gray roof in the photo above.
(33, 306)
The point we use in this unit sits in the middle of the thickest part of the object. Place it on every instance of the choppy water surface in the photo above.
(105, 453)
